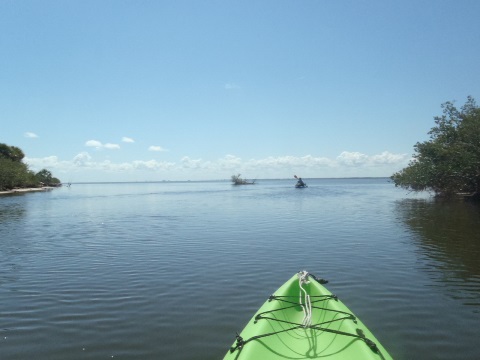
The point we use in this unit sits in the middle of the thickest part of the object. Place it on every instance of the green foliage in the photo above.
(449, 162)
(45, 177)
(11, 152)
(15, 174)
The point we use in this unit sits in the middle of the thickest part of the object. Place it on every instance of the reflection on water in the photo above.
(173, 270)
(449, 243)
(11, 212)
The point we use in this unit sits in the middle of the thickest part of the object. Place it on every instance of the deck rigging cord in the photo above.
(307, 305)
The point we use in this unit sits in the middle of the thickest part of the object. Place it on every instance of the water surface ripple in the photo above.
(173, 270)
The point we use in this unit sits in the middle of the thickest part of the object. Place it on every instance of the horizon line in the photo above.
(219, 180)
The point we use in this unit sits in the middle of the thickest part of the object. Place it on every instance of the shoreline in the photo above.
(25, 190)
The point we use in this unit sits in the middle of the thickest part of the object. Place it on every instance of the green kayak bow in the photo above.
(303, 320)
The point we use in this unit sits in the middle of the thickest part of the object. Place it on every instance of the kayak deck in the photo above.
(303, 320)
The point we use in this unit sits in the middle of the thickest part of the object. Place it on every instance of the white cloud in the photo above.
(292, 161)
(94, 143)
(82, 159)
(127, 139)
(188, 163)
(52, 163)
(358, 159)
(98, 145)
(153, 165)
(111, 146)
(30, 135)
(156, 148)
(345, 165)
(352, 158)
(388, 158)
(229, 162)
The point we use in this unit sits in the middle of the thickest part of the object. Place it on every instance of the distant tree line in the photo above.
(15, 174)
(449, 163)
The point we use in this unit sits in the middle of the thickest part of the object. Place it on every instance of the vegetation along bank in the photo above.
(15, 174)
(449, 163)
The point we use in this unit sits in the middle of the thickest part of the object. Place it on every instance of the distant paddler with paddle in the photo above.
(300, 183)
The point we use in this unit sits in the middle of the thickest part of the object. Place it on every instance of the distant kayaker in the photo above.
(300, 182)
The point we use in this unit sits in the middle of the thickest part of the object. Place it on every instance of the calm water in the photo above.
(173, 270)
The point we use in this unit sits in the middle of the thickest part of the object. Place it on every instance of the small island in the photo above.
(237, 180)
(15, 176)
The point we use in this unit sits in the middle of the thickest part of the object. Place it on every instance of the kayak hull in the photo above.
(282, 328)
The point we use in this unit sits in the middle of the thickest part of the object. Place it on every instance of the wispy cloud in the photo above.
(127, 139)
(156, 148)
(352, 158)
(188, 163)
(111, 146)
(359, 159)
(98, 145)
(152, 165)
(231, 86)
(84, 161)
(30, 135)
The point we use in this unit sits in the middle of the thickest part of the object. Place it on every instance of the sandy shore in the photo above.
(16, 191)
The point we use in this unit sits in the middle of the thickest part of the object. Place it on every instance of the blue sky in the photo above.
(198, 90)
